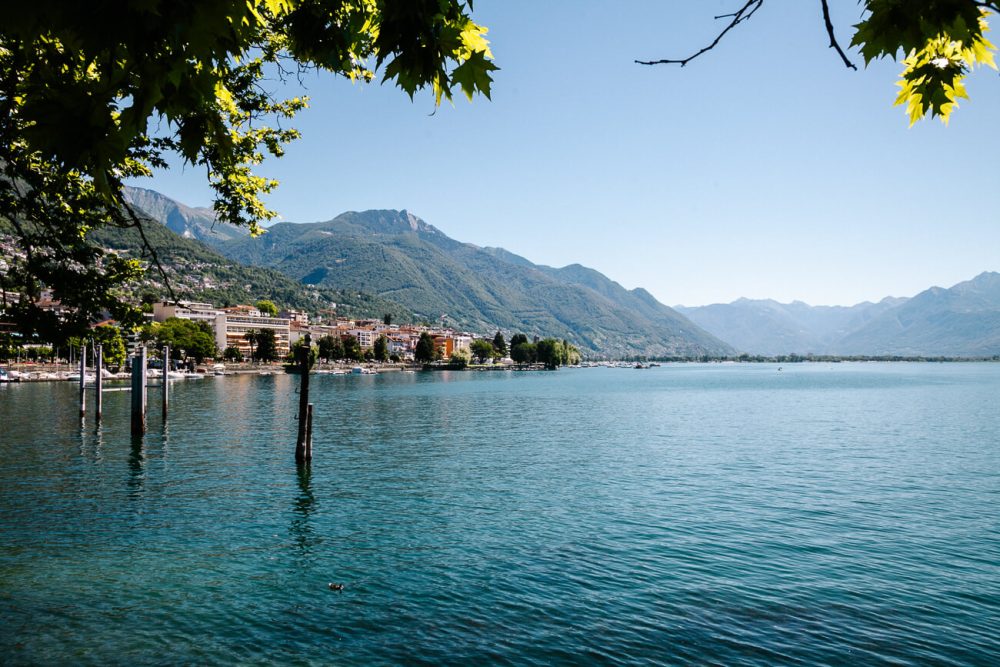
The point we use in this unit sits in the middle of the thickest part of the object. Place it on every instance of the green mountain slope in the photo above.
(400, 257)
(198, 273)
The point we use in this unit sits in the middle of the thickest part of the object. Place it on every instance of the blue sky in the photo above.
(763, 169)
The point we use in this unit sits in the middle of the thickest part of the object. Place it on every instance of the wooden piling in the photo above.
(139, 392)
(83, 380)
(300, 442)
(99, 381)
(309, 432)
(166, 385)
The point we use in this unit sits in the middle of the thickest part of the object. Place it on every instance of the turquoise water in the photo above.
(687, 514)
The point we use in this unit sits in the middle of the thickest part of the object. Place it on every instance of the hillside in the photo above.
(198, 273)
(191, 223)
(397, 256)
(963, 320)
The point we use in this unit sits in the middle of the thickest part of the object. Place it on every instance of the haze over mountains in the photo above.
(961, 321)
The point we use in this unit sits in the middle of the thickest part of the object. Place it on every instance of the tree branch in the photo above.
(739, 16)
(833, 39)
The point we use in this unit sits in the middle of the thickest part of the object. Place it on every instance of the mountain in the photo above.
(398, 256)
(191, 223)
(960, 321)
(764, 326)
(198, 273)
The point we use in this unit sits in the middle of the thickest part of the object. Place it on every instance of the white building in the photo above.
(185, 310)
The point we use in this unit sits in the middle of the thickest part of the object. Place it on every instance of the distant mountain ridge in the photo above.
(961, 321)
(185, 221)
(396, 255)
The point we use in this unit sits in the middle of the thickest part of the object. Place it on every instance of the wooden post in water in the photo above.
(166, 385)
(83, 379)
(309, 432)
(300, 442)
(99, 380)
(139, 392)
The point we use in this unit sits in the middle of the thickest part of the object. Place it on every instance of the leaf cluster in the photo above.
(941, 41)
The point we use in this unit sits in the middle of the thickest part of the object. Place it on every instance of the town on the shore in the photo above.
(206, 335)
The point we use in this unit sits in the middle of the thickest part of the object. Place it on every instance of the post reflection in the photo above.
(137, 467)
(302, 531)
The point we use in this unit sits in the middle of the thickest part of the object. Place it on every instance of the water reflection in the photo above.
(136, 482)
(302, 530)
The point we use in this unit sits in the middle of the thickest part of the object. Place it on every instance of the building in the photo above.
(233, 324)
(185, 310)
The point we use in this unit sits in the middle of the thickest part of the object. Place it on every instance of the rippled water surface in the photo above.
(688, 514)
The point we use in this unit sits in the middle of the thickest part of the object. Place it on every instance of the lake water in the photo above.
(687, 514)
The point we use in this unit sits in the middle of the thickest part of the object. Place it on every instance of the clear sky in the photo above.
(763, 169)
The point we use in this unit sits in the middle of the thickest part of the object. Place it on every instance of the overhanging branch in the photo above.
(833, 39)
(739, 16)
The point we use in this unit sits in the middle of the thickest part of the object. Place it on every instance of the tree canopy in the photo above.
(94, 93)
(425, 350)
(194, 338)
(939, 42)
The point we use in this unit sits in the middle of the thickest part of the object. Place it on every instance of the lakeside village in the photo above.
(206, 339)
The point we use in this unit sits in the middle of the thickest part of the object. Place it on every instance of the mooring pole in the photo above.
(99, 380)
(139, 392)
(309, 432)
(166, 385)
(83, 379)
(300, 442)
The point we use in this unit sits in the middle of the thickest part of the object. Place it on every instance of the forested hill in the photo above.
(198, 273)
(397, 256)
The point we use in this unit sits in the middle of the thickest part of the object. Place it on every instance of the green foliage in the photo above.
(232, 354)
(267, 307)
(94, 93)
(523, 352)
(941, 42)
(500, 345)
(263, 344)
(425, 350)
(112, 344)
(352, 349)
(194, 338)
(296, 350)
(381, 349)
(482, 350)
(550, 352)
(330, 348)
(517, 339)
(459, 359)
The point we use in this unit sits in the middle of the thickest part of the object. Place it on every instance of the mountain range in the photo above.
(960, 321)
(398, 256)
(392, 261)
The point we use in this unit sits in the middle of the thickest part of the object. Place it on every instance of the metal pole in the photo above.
(83, 379)
(99, 380)
(139, 392)
(166, 385)
(300, 442)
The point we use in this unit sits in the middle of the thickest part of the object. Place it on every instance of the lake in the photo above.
(687, 514)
